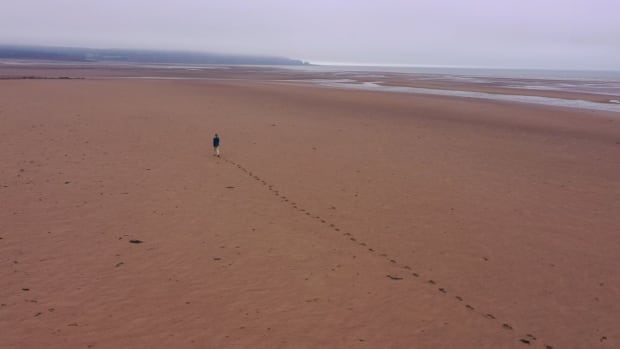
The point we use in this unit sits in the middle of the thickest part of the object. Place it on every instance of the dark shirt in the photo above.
(216, 141)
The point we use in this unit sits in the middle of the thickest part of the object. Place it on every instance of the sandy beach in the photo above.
(334, 219)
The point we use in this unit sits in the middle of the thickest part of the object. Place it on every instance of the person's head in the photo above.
(216, 135)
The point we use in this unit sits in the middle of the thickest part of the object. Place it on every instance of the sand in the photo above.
(334, 218)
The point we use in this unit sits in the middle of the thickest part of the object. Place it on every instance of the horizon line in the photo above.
(443, 66)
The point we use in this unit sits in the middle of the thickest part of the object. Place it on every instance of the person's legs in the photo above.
(217, 151)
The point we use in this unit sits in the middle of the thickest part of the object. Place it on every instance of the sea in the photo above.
(597, 82)
(600, 75)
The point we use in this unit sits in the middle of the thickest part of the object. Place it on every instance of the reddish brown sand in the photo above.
(333, 219)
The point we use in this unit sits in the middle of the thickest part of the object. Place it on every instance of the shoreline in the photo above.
(613, 105)
(570, 89)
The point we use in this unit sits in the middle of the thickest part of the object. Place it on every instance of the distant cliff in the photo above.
(137, 56)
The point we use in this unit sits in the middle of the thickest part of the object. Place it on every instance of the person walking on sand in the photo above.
(216, 145)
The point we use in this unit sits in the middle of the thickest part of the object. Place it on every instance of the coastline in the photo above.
(611, 105)
(598, 93)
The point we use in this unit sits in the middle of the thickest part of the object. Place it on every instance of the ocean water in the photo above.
(543, 74)
(613, 106)
(584, 81)
(606, 83)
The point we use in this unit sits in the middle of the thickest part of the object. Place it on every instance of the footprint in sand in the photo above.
(506, 327)
(525, 341)
(490, 316)
(469, 307)
(459, 298)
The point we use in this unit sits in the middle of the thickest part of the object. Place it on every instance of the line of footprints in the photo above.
(528, 339)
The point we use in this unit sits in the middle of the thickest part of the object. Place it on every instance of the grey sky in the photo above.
(497, 33)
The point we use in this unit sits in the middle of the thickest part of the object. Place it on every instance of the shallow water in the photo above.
(584, 81)
(557, 102)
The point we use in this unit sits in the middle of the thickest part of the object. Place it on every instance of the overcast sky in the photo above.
(579, 34)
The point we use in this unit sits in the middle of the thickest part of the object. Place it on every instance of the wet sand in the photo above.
(334, 218)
